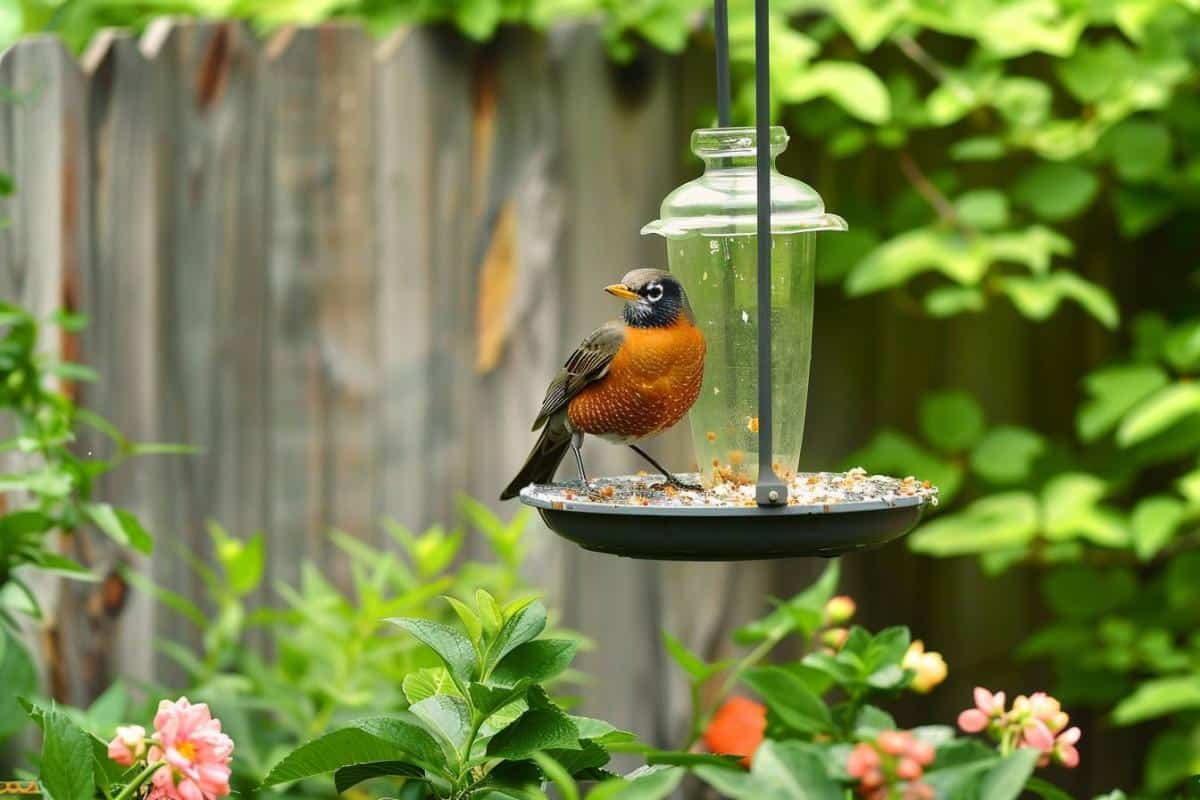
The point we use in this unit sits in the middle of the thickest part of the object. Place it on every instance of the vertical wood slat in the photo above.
(44, 240)
(323, 381)
(123, 294)
(211, 339)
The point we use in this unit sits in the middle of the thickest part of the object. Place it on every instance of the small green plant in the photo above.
(480, 724)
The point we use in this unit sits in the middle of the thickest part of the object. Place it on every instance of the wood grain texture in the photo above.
(123, 298)
(325, 388)
(212, 341)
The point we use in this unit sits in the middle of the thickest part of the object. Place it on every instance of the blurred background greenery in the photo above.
(1042, 156)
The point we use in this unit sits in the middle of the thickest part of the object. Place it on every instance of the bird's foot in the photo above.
(678, 485)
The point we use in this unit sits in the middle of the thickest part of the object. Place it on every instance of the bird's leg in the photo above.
(671, 479)
(577, 449)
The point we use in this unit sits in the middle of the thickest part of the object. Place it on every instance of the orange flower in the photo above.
(737, 729)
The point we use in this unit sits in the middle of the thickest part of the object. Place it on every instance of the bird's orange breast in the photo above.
(651, 384)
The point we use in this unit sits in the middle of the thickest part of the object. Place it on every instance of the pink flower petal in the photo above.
(973, 720)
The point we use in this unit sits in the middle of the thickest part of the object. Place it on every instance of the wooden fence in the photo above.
(346, 268)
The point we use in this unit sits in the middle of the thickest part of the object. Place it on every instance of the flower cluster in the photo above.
(187, 757)
(737, 729)
(929, 668)
(891, 767)
(1037, 721)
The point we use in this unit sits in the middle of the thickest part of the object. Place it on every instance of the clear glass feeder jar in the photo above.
(711, 228)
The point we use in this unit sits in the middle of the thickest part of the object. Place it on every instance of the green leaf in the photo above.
(448, 718)
(977, 148)
(1039, 296)
(537, 661)
(468, 617)
(1056, 191)
(1046, 790)
(1181, 347)
(66, 768)
(1154, 523)
(789, 699)
(1157, 698)
(455, 650)
(1139, 149)
(242, 561)
(1173, 757)
(120, 526)
(647, 783)
(999, 521)
(536, 729)
(1141, 209)
(523, 626)
(791, 770)
(349, 777)
(1113, 392)
(478, 19)
(949, 301)
(837, 255)
(951, 421)
(341, 748)
(18, 678)
(896, 261)
(984, 209)
(695, 667)
(852, 86)
(1006, 455)
(1006, 780)
(1070, 509)
(1079, 592)
(1158, 412)
(802, 612)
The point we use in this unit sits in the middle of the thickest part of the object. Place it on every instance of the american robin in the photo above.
(627, 381)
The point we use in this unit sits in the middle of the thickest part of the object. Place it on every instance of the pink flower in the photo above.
(908, 769)
(196, 752)
(863, 759)
(988, 703)
(1038, 736)
(128, 745)
(988, 706)
(1065, 752)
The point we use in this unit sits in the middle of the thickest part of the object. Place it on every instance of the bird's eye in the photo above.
(654, 292)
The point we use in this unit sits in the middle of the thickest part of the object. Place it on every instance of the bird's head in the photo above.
(654, 298)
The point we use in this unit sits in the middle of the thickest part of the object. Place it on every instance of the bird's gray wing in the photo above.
(588, 363)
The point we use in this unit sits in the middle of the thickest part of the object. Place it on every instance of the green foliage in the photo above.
(489, 731)
(50, 488)
(820, 706)
(1111, 520)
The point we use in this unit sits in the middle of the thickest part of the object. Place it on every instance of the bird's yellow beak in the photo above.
(622, 291)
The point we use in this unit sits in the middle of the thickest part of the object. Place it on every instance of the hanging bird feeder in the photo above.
(752, 296)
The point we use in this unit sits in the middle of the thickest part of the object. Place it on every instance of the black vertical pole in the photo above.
(770, 490)
(721, 30)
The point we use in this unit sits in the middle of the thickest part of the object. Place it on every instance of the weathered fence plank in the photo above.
(324, 385)
(123, 293)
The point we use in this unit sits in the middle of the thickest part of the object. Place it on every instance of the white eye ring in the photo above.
(654, 292)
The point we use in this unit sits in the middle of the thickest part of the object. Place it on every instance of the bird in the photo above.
(628, 380)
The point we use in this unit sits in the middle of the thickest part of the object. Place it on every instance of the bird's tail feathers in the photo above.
(543, 460)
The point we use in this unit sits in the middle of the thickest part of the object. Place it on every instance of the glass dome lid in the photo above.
(724, 200)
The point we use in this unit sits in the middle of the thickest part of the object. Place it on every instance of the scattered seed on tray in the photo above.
(826, 489)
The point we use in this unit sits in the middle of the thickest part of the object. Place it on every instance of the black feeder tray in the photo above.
(712, 226)
(639, 517)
